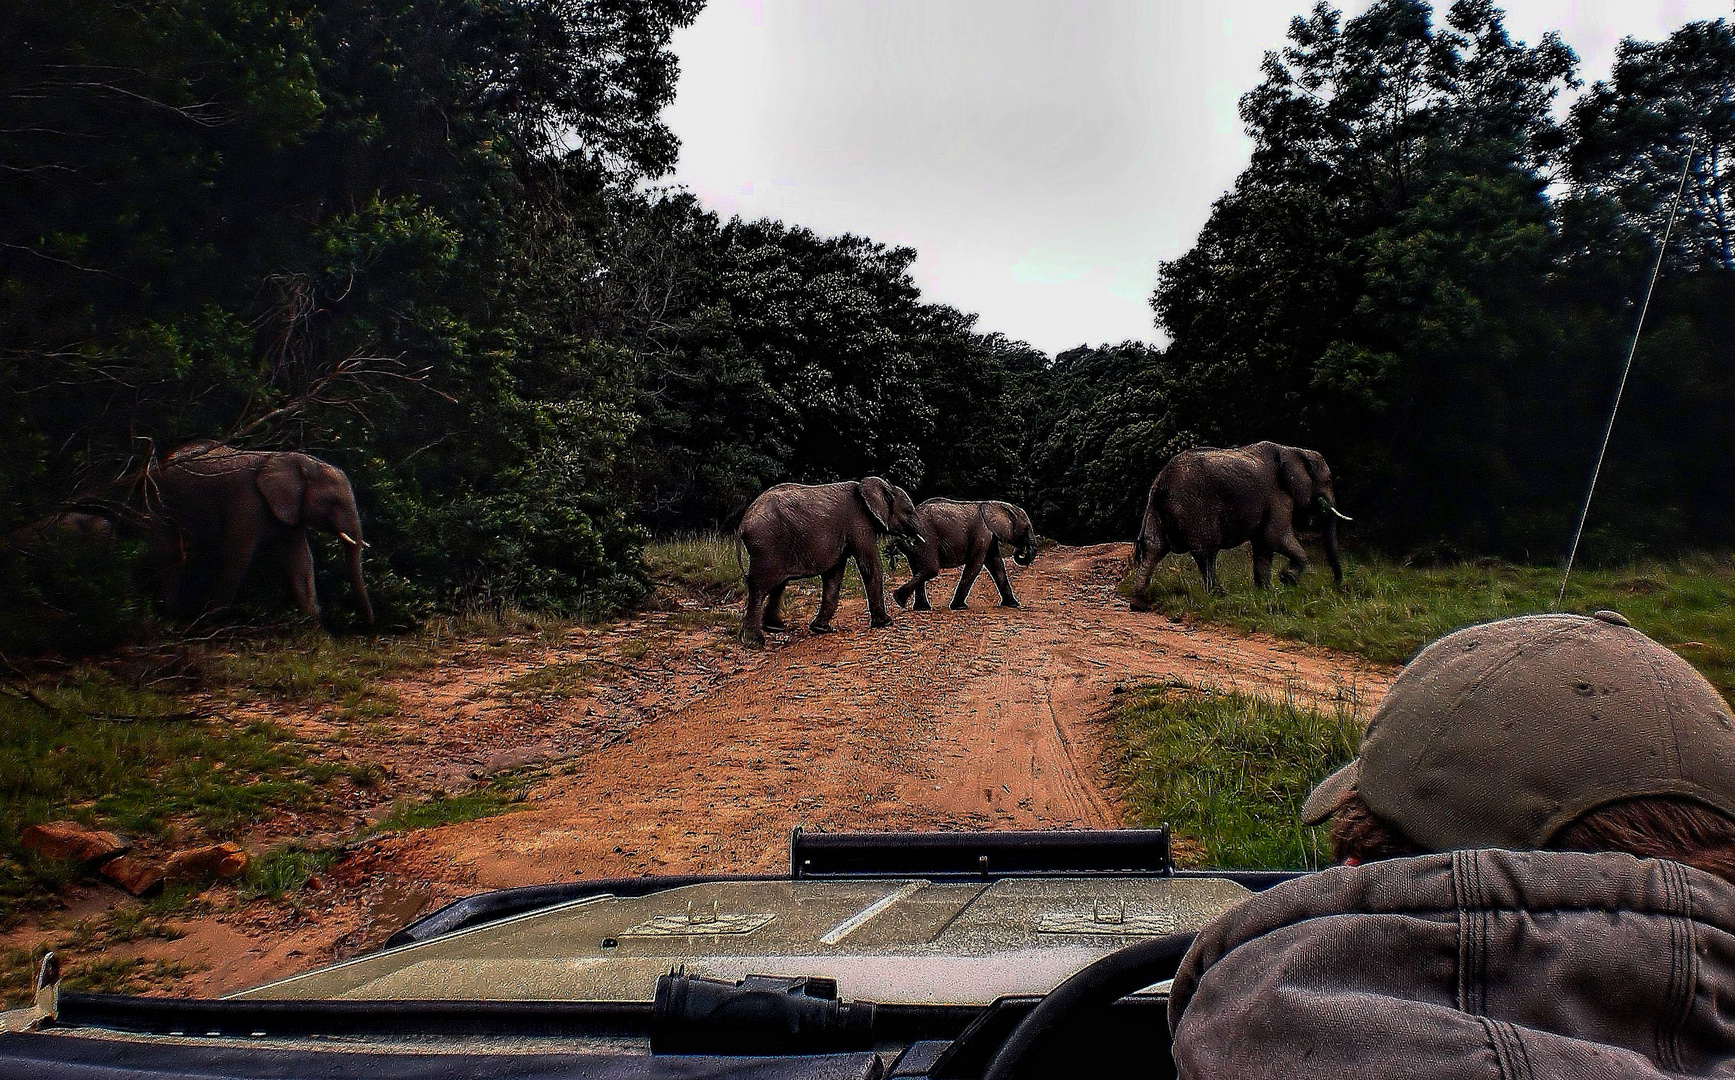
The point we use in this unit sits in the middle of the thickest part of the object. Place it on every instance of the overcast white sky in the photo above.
(1042, 156)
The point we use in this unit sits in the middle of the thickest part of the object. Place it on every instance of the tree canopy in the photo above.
(422, 239)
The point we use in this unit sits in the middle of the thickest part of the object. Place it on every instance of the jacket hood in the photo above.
(1469, 964)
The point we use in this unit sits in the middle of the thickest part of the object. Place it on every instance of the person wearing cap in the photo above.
(1536, 846)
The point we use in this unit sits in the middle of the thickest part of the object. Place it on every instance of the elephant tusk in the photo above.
(1341, 515)
(352, 541)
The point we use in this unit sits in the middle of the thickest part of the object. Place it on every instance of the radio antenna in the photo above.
(1626, 369)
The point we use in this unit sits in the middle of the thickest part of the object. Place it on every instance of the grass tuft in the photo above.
(283, 870)
(705, 562)
(72, 757)
(452, 809)
(1386, 611)
(1229, 772)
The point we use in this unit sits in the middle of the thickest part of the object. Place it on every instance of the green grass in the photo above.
(1229, 772)
(121, 976)
(705, 562)
(1386, 611)
(18, 976)
(452, 809)
(560, 680)
(139, 775)
(283, 870)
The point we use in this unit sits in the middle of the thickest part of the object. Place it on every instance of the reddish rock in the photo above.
(202, 864)
(71, 842)
(134, 873)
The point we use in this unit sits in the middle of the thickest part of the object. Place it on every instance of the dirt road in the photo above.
(700, 755)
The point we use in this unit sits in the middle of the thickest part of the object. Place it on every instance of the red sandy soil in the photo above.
(692, 754)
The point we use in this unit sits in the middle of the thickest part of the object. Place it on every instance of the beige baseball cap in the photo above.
(1500, 735)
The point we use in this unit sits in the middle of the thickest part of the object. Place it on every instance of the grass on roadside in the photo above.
(95, 751)
(706, 563)
(1386, 611)
(1229, 772)
(565, 679)
(441, 810)
(283, 870)
(122, 975)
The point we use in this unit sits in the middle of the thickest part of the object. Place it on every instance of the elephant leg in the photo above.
(961, 595)
(298, 570)
(873, 580)
(902, 595)
(922, 591)
(997, 571)
(831, 583)
(1297, 556)
(1207, 561)
(773, 619)
(1261, 566)
(752, 631)
(239, 547)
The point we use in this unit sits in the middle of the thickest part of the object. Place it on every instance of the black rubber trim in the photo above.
(64, 1057)
(1094, 988)
(980, 855)
(1256, 880)
(967, 1055)
(200, 1016)
(504, 903)
(303, 1017)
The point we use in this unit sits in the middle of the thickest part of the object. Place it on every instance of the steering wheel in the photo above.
(1095, 987)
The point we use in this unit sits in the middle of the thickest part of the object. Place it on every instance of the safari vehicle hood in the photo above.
(905, 939)
(912, 952)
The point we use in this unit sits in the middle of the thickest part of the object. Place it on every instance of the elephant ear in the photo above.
(284, 487)
(1297, 477)
(1001, 521)
(877, 494)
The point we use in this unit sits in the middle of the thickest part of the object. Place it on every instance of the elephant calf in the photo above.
(215, 508)
(967, 534)
(1207, 499)
(803, 530)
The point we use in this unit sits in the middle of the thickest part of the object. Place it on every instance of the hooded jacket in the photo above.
(1492, 964)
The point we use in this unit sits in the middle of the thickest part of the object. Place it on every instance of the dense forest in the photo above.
(423, 240)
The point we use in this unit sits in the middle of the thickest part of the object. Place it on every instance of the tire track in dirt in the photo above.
(986, 718)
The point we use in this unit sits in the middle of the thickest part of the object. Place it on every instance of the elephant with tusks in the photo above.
(1207, 499)
(214, 509)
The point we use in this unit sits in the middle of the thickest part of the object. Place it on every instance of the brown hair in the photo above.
(1655, 827)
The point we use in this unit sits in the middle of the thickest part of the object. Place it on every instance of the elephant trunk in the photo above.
(367, 609)
(1328, 531)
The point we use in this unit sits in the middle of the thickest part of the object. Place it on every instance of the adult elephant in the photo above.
(223, 507)
(1207, 499)
(803, 530)
(967, 534)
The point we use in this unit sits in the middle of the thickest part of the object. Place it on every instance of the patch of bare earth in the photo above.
(662, 746)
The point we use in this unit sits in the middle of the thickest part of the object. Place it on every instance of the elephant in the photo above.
(220, 507)
(966, 534)
(800, 530)
(1207, 499)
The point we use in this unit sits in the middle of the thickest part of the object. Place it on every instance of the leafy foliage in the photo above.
(1426, 276)
(419, 238)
